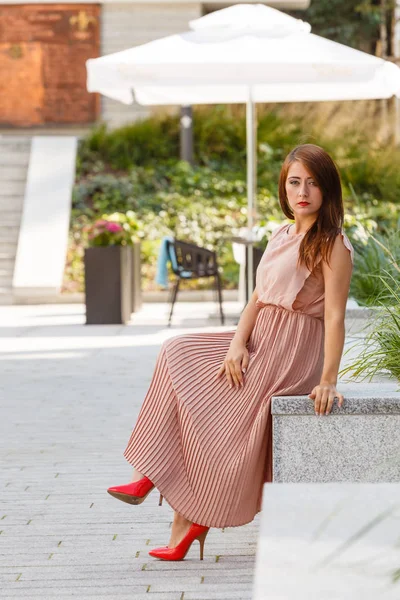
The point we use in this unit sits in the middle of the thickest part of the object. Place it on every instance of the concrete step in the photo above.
(13, 137)
(11, 205)
(14, 161)
(22, 150)
(9, 233)
(7, 262)
(6, 296)
(11, 219)
(15, 143)
(13, 157)
(6, 272)
(8, 247)
(6, 253)
(12, 173)
(12, 188)
(328, 540)
(5, 289)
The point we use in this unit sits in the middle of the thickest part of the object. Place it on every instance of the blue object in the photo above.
(163, 258)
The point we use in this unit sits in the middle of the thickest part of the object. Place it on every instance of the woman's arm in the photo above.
(337, 283)
(237, 358)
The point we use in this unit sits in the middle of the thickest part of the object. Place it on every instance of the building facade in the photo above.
(44, 47)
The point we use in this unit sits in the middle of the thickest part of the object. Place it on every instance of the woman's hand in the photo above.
(235, 363)
(323, 396)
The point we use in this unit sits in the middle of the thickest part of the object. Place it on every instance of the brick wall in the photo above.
(43, 49)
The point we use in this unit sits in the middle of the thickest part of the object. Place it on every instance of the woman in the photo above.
(203, 436)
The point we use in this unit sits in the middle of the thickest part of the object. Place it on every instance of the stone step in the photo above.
(8, 247)
(6, 296)
(13, 157)
(6, 252)
(330, 540)
(13, 143)
(7, 261)
(12, 188)
(8, 138)
(12, 173)
(10, 233)
(17, 148)
(6, 283)
(6, 272)
(11, 218)
(14, 161)
(11, 206)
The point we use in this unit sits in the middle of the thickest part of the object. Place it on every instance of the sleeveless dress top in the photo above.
(280, 281)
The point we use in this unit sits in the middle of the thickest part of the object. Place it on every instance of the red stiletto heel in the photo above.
(196, 532)
(134, 492)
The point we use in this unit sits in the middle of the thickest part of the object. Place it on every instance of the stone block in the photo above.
(332, 541)
(358, 443)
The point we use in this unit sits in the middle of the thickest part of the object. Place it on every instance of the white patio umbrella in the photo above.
(242, 54)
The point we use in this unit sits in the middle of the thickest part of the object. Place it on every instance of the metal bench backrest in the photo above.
(191, 259)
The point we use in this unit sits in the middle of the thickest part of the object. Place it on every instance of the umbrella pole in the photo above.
(251, 185)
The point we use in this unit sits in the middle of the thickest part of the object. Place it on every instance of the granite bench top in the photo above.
(355, 403)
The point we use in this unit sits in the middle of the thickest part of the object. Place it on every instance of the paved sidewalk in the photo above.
(70, 395)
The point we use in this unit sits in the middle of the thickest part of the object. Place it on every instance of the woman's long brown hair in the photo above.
(320, 237)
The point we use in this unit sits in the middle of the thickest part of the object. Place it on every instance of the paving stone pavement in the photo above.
(70, 395)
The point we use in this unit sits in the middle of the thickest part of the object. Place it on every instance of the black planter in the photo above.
(108, 284)
(136, 278)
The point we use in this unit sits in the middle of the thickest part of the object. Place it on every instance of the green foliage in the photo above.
(376, 259)
(220, 137)
(379, 352)
(372, 171)
(100, 192)
(206, 203)
(192, 203)
(354, 23)
(143, 142)
(220, 145)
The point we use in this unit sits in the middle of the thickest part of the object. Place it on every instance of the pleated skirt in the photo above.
(208, 447)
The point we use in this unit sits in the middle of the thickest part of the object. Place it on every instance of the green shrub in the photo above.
(137, 168)
(379, 352)
(379, 255)
(145, 141)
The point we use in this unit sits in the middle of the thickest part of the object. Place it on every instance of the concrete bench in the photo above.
(331, 541)
(359, 442)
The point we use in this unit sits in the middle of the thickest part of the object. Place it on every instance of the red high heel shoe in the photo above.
(196, 532)
(134, 492)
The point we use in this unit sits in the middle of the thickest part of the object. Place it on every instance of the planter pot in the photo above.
(136, 278)
(108, 285)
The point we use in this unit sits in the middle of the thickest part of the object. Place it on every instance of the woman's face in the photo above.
(301, 187)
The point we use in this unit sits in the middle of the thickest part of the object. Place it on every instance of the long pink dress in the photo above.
(205, 446)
